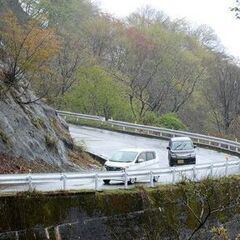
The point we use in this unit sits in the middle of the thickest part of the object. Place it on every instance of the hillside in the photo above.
(146, 68)
(32, 135)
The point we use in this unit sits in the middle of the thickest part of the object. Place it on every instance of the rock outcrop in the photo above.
(32, 131)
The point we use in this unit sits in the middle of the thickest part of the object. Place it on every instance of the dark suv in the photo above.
(181, 151)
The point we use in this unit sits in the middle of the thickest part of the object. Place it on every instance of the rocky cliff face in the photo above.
(32, 131)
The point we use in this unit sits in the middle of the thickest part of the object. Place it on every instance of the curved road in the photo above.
(104, 142)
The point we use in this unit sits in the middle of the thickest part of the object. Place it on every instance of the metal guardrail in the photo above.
(82, 116)
(208, 141)
(172, 175)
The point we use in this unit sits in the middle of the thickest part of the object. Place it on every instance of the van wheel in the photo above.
(155, 178)
(106, 181)
(132, 181)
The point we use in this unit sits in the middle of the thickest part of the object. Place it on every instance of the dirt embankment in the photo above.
(16, 165)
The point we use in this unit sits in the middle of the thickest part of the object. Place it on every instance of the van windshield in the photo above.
(182, 145)
(124, 156)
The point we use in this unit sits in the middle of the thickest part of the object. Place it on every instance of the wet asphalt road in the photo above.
(104, 142)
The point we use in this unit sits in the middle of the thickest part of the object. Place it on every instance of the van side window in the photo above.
(151, 156)
(142, 156)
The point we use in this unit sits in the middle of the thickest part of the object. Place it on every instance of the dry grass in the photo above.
(14, 165)
(11, 165)
(82, 159)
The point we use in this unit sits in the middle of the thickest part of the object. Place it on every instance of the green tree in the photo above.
(97, 93)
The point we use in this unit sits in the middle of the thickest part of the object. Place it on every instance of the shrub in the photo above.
(150, 118)
(50, 141)
(171, 120)
(38, 123)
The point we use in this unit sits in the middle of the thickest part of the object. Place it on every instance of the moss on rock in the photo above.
(164, 212)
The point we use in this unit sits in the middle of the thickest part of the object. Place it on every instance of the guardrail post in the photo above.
(211, 170)
(125, 180)
(151, 179)
(64, 179)
(174, 175)
(226, 168)
(30, 183)
(194, 173)
(16, 235)
(96, 182)
(47, 235)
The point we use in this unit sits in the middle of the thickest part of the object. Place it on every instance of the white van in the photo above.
(132, 159)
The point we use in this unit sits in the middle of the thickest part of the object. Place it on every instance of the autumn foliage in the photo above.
(28, 47)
